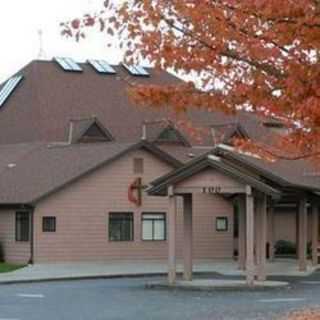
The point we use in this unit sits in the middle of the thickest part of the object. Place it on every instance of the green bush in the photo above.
(1, 253)
(283, 247)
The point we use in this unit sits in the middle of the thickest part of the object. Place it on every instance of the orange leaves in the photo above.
(262, 55)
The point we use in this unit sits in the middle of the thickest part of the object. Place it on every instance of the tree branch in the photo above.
(232, 54)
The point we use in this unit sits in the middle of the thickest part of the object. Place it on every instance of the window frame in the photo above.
(226, 220)
(43, 224)
(164, 214)
(129, 213)
(19, 237)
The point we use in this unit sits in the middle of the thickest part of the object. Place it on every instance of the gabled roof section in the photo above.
(31, 172)
(285, 173)
(88, 130)
(160, 186)
(171, 135)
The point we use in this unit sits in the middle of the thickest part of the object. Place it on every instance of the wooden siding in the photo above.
(82, 211)
(285, 225)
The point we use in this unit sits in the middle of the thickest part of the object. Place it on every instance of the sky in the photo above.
(21, 20)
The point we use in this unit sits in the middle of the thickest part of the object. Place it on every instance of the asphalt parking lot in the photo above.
(127, 299)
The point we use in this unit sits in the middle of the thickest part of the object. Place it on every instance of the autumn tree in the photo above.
(257, 55)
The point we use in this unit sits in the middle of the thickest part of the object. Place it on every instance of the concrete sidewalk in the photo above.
(47, 272)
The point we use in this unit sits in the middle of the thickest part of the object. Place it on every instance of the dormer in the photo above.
(88, 130)
(225, 133)
(170, 135)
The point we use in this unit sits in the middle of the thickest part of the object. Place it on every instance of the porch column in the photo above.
(297, 230)
(242, 232)
(302, 235)
(262, 237)
(187, 237)
(250, 270)
(172, 216)
(271, 232)
(315, 231)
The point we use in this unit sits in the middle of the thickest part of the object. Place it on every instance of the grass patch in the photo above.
(8, 267)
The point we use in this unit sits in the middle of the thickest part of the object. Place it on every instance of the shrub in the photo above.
(285, 247)
(1, 253)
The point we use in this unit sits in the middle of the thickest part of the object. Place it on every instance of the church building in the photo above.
(87, 176)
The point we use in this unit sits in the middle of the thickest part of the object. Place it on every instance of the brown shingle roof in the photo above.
(40, 109)
(48, 97)
(28, 172)
(291, 173)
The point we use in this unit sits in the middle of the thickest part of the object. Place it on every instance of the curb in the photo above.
(96, 277)
(132, 275)
(149, 286)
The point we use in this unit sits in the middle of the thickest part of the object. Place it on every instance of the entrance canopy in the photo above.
(252, 186)
(211, 174)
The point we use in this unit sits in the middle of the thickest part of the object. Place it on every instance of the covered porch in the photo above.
(256, 197)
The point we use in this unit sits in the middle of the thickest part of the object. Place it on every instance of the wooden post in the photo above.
(271, 230)
(172, 216)
(315, 231)
(302, 236)
(262, 216)
(187, 237)
(297, 230)
(242, 232)
(250, 271)
(256, 229)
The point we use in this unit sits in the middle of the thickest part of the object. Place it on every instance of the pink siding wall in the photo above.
(15, 251)
(82, 211)
(82, 218)
(209, 243)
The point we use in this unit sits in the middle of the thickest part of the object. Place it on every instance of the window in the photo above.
(222, 224)
(138, 165)
(136, 70)
(22, 226)
(121, 226)
(8, 89)
(102, 66)
(153, 226)
(49, 224)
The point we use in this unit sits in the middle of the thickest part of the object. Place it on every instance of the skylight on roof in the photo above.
(136, 70)
(102, 66)
(8, 88)
(68, 64)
